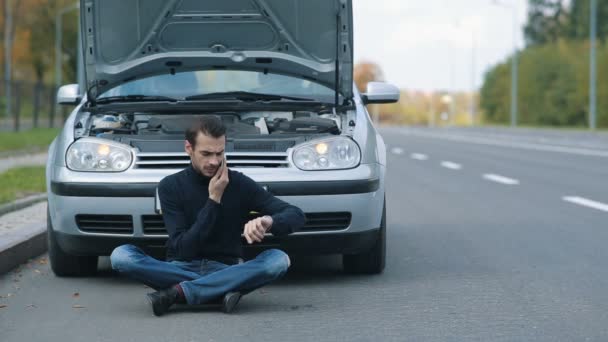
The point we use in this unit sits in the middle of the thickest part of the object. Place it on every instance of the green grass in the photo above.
(37, 139)
(21, 182)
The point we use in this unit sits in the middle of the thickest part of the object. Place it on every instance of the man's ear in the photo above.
(188, 148)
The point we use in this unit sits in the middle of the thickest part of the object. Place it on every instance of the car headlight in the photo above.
(92, 154)
(327, 154)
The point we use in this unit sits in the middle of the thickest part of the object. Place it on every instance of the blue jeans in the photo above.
(202, 280)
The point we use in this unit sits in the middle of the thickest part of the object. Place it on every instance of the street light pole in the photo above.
(593, 66)
(514, 72)
(473, 72)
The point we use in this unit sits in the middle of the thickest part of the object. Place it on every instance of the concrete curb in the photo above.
(17, 153)
(24, 243)
(18, 248)
(22, 203)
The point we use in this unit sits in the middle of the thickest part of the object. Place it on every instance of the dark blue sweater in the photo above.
(198, 227)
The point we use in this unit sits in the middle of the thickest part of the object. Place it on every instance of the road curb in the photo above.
(18, 153)
(29, 242)
(21, 203)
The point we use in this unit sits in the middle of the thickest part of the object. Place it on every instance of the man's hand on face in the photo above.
(218, 183)
(255, 229)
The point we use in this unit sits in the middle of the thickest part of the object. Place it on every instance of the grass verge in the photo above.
(21, 182)
(30, 140)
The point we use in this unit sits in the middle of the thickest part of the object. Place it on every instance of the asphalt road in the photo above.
(486, 242)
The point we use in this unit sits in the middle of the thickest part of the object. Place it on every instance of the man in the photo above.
(205, 208)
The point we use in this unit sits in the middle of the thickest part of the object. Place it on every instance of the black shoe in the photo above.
(162, 300)
(231, 299)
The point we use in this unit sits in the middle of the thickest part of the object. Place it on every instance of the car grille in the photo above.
(153, 225)
(179, 160)
(107, 224)
(326, 221)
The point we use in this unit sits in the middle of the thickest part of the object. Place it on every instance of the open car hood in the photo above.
(125, 40)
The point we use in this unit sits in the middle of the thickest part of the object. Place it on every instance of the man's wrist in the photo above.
(215, 199)
(271, 222)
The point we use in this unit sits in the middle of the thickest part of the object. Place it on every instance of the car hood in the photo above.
(127, 40)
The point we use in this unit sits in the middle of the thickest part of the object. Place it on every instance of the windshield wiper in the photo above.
(244, 96)
(134, 98)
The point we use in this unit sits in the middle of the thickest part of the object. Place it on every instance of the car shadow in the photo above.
(304, 270)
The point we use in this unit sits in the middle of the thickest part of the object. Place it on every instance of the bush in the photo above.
(553, 86)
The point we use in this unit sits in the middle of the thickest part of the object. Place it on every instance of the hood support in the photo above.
(337, 85)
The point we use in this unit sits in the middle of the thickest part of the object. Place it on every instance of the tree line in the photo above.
(28, 26)
(553, 87)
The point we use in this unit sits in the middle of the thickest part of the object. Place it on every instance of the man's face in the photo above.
(208, 153)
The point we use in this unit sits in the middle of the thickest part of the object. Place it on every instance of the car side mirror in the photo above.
(69, 94)
(380, 92)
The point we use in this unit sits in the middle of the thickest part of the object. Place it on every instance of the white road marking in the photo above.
(450, 165)
(419, 156)
(397, 150)
(500, 179)
(586, 202)
(512, 144)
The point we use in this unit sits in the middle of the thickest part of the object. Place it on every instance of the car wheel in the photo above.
(64, 264)
(372, 261)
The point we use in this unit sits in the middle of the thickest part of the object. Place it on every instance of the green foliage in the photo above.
(20, 182)
(551, 20)
(32, 140)
(495, 93)
(578, 20)
(553, 86)
(545, 21)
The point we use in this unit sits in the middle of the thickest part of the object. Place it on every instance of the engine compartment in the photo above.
(269, 131)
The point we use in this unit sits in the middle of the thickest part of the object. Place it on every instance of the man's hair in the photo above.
(209, 125)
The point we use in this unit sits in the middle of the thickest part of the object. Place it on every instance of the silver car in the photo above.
(279, 74)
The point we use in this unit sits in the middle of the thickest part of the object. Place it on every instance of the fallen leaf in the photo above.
(42, 261)
(76, 294)
(3, 306)
(37, 271)
(78, 306)
(31, 306)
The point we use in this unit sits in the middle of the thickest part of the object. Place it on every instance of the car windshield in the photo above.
(184, 84)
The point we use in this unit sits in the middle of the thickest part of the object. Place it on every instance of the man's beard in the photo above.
(199, 171)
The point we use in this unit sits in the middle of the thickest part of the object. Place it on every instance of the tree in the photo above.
(366, 72)
(578, 20)
(42, 25)
(546, 21)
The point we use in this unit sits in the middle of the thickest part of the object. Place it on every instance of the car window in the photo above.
(203, 82)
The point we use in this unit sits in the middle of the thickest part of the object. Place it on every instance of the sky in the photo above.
(428, 45)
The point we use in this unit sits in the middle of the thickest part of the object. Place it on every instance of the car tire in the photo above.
(64, 264)
(372, 261)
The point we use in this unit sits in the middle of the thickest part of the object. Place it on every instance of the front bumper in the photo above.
(343, 187)
(332, 243)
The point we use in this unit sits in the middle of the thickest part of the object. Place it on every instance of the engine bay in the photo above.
(246, 131)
